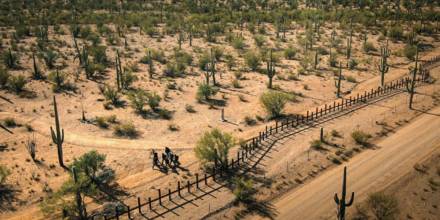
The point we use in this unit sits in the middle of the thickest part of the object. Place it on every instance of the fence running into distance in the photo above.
(250, 146)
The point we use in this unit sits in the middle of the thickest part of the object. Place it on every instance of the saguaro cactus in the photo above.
(270, 70)
(410, 84)
(338, 81)
(383, 66)
(58, 134)
(349, 41)
(341, 202)
(36, 74)
(213, 68)
(150, 65)
(316, 60)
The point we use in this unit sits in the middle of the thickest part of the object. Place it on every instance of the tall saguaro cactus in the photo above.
(410, 85)
(338, 81)
(341, 202)
(383, 66)
(150, 65)
(349, 41)
(58, 134)
(37, 73)
(270, 70)
(213, 67)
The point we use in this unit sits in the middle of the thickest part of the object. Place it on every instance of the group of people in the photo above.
(169, 159)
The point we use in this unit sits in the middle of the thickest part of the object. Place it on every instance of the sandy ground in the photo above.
(370, 171)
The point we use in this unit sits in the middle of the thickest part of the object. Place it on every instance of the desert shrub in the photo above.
(10, 59)
(174, 69)
(99, 54)
(164, 113)
(274, 102)
(204, 60)
(183, 57)
(250, 121)
(252, 60)
(383, 206)
(111, 94)
(396, 32)
(4, 173)
(10, 122)
(138, 99)
(290, 53)
(4, 76)
(173, 127)
(153, 100)
(128, 78)
(410, 52)
(218, 53)
(259, 40)
(352, 64)
(243, 189)
(230, 61)
(335, 133)
(368, 47)
(361, 137)
(214, 145)
(58, 79)
(101, 122)
(205, 91)
(190, 108)
(49, 57)
(17, 83)
(126, 129)
(236, 83)
(238, 43)
(238, 75)
(316, 145)
(351, 79)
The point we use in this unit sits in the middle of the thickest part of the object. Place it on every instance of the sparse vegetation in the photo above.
(274, 102)
(361, 137)
(126, 129)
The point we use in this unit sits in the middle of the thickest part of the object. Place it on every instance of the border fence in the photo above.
(252, 145)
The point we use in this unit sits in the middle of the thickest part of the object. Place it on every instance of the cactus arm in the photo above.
(351, 200)
(336, 199)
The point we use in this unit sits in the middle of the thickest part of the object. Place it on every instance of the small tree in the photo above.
(274, 102)
(10, 59)
(205, 91)
(111, 94)
(4, 77)
(383, 206)
(214, 146)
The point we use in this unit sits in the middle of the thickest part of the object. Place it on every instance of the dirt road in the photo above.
(371, 171)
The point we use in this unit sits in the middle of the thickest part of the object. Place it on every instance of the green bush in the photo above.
(111, 94)
(290, 53)
(138, 99)
(396, 32)
(351, 79)
(259, 40)
(274, 102)
(153, 100)
(410, 52)
(361, 137)
(243, 189)
(126, 130)
(214, 145)
(58, 79)
(238, 43)
(10, 59)
(352, 64)
(205, 91)
(4, 76)
(49, 58)
(17, 83)
(204, 60)
(10, 122)
(252, 60)
(250, 121)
